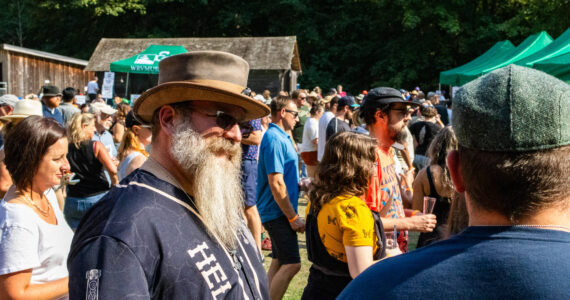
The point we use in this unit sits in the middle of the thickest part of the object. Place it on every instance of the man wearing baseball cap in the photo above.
(512, 167)
(386, 115)
(174, 228)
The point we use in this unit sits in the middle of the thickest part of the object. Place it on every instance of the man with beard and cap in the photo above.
(340, 123)
(103, 121)
(387, 113)
(174, 228)
(513, 174)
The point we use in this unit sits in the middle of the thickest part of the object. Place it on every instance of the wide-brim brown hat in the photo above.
(201, 75)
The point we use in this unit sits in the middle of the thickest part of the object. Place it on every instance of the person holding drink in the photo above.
(513, 174)
(343, 236)
(433, 187)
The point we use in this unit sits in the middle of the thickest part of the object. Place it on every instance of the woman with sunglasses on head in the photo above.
(89, 160)
(132, 153)
(34, 237)
(343, 236)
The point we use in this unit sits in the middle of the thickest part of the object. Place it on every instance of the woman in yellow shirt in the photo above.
(343, 236)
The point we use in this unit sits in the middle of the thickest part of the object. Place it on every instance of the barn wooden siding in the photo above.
(26, 72)
(274, 62)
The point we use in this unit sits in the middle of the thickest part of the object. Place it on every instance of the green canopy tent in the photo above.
(145, 62)
(558, 66)
(451, 77)
(558, 47)
(529, 46)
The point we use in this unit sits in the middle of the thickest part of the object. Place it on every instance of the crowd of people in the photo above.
(175, 197)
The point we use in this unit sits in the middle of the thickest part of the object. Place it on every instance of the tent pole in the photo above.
(127, 86)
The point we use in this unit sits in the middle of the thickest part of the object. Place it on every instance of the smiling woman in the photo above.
(35, 239)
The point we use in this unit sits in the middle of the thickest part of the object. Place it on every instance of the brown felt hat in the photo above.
(201, 75)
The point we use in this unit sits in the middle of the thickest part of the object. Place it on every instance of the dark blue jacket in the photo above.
(143, 240)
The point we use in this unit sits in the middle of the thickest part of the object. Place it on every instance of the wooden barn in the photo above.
(273, 61)
(24, 71)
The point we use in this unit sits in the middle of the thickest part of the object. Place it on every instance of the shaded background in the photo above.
(359, 44)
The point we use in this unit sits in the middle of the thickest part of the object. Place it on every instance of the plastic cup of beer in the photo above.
(429, 203)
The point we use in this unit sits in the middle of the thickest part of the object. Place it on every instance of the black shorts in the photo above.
(284, 244)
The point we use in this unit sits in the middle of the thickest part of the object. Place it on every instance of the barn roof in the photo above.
(47, 55)
(262, 53)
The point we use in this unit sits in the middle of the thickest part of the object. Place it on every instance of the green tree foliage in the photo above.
(358, 43)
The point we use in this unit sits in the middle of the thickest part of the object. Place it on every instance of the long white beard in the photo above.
(216, 180)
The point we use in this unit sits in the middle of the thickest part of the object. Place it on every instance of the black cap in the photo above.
(50, 91)
(130, 120)
(384, 95)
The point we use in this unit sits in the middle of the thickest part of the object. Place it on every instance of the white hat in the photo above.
(100, 107)
(259, 97)
(23, 109)
(9, 99)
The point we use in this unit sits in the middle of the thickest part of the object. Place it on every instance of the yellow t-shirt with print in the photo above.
(346, 221)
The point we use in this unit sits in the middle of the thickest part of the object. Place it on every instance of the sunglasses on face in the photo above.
(292, 112)
(223, 119)
(404, 111)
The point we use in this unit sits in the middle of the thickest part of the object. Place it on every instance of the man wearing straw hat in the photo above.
(174, 228)
(512, 167)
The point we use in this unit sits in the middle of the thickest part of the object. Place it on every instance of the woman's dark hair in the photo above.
(346, 168)
(443, 143)
(26, 146)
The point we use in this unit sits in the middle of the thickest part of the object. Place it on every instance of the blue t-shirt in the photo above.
(56, 114)
(276, 155)
(106, 138)
(479, 263)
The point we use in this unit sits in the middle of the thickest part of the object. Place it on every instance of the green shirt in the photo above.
(304, 114)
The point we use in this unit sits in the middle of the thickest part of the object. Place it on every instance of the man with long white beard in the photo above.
(174, 229)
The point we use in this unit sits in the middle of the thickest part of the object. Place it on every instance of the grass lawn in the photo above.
(299, 282)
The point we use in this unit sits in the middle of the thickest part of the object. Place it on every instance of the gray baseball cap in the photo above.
(513, 109)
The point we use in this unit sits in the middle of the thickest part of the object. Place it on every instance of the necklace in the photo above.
(44, 212)
(552, 226)
(544, 226)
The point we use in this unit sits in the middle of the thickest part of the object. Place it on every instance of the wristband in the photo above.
(415, 212)
(409, 189)
(293, 219)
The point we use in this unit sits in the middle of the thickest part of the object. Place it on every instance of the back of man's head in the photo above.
(68, 94)
(514, 135)
(295, 94)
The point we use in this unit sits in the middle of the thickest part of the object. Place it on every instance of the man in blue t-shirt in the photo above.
(514, 177)
(277, 195)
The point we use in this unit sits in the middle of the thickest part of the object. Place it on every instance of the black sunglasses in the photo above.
(294, 113)
(223, 120)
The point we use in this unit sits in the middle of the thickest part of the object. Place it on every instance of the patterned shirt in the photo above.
(249, 152)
